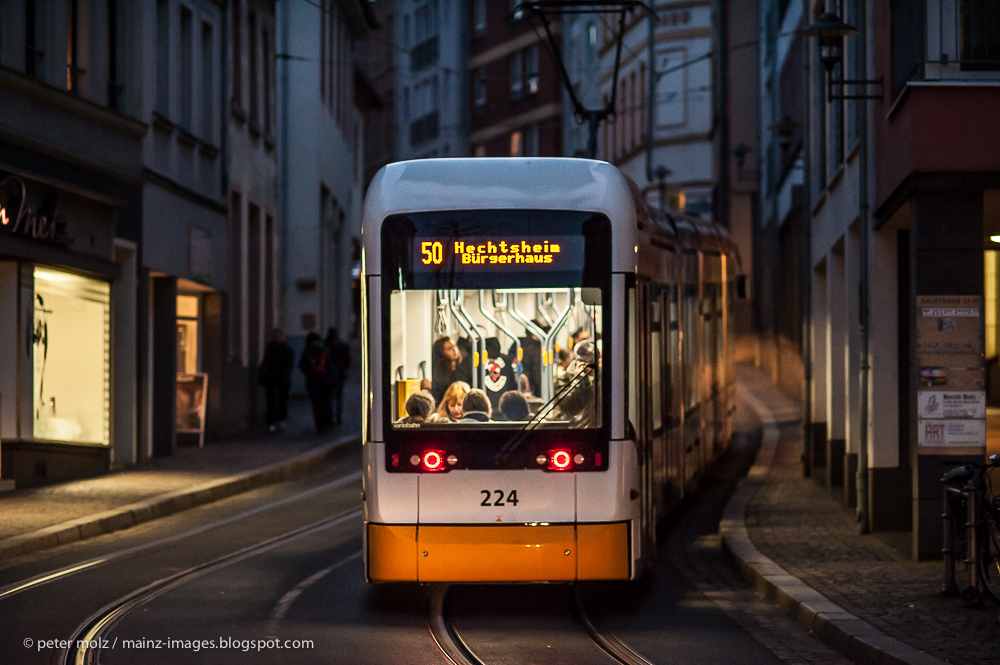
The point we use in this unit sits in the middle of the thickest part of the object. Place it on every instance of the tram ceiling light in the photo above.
(995, 238)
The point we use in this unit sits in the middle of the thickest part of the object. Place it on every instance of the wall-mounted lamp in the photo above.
(661, 172)
(785, 129)
(830, 31)
(740, 152)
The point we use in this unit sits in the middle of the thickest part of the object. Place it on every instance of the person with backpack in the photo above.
(321, 377)
(340, 354)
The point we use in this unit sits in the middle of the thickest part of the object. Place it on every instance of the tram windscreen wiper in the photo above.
(515, 441)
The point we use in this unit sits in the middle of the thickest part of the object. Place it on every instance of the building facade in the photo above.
(322, 164)
(253, 231)
(431, 108)
(378, 55)
(677, 86)
(71, 209)
(515, 89)
(903, 191)
(184, 236)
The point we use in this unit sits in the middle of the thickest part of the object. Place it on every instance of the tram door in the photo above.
(639, 405)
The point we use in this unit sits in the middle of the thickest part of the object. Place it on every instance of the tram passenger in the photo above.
(419, 406)
(476, 407)
(531, 362)
(450, 408)
(499, 375)
(577, 405)
(447, 367)
(513, 407)
(524, 387)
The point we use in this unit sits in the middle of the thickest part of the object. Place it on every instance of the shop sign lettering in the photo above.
(17, 218)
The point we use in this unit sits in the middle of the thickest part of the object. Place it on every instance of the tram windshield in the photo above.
(493, 322)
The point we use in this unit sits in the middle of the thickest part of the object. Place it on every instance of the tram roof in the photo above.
(542, 183)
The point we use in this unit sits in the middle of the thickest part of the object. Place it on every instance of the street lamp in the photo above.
(830, 31)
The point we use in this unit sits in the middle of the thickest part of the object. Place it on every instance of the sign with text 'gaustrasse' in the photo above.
(951, 396)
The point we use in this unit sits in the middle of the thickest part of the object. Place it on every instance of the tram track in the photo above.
(79, 567)
(89, 634)
(457, 651)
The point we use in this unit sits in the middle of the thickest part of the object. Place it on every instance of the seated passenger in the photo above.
(476, 407)
(513, 406)
(524, 387)
(450, 408)
(419, 406)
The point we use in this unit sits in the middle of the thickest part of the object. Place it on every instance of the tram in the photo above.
(547, 369)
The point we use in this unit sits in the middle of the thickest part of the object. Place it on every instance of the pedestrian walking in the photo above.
(275, 374)
(320, 374)
(340, 354)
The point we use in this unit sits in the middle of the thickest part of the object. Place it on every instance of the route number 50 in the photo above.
(433, 253)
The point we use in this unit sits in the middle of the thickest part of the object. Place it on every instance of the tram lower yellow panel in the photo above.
(507, 553)
(603, 551)
(392, 553)
(496, 553)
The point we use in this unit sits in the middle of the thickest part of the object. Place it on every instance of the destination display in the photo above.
(494, 253)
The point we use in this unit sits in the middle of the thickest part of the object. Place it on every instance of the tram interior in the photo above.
(543, 344)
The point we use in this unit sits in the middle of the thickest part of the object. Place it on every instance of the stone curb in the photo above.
(171, 502)
(853, 637)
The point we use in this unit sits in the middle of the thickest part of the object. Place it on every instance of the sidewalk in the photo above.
(800, 547)
(39, 518)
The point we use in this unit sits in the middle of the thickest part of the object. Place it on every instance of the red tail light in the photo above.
(560, 460)
(433, 460)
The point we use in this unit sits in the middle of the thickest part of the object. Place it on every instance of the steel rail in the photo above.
(91, 629)
(443, 632)
(600, 636)
(51, 576)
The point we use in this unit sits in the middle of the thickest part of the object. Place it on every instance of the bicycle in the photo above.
(972, 530)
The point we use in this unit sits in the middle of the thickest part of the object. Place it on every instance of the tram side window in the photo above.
(632, 336)
(496, 358)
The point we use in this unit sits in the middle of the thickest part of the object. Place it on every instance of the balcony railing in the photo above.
(423, 54)
(424, 128)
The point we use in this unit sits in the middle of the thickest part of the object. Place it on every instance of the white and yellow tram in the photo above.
(553, 279)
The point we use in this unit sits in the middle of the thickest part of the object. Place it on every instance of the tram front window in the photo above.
(480, 303)
(490, 357)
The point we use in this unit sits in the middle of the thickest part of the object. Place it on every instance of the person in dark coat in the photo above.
(321, 377)
(340, 354)
(275, 374)
(446, 367)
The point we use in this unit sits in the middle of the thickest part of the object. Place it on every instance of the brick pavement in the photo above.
(812, 536)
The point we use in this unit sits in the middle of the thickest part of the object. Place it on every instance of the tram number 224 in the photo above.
(433, 253)
(499, 501)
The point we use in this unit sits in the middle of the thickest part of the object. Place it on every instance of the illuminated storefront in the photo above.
(71, 358)
(62, 303)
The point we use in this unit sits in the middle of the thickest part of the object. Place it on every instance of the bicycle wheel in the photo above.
(989, 560)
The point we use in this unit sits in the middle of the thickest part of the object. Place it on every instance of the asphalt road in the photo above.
(274, 576)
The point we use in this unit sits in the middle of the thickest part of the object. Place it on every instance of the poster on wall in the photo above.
(951, 394)
(192, 390)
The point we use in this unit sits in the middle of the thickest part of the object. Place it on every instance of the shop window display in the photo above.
(71, 358)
